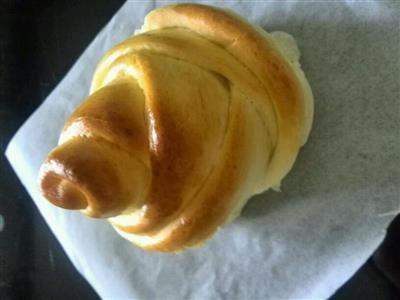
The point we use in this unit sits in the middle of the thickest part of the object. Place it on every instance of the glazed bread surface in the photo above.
(185, 121)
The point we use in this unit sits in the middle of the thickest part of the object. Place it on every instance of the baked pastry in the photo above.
(185, 121)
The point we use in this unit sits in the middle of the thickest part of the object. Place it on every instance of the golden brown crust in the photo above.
(260, 55)
(103, 153)
(187, 121)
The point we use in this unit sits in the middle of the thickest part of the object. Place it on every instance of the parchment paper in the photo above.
(335, 205)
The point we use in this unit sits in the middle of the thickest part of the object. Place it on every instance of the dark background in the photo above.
(39, 42)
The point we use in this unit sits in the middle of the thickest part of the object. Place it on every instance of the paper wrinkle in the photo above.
(303, 242)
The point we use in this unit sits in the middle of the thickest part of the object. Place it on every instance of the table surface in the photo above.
(39, 42)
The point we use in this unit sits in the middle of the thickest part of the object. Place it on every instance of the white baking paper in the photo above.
(335, 205)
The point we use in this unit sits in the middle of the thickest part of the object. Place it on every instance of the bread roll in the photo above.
(185, 121)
